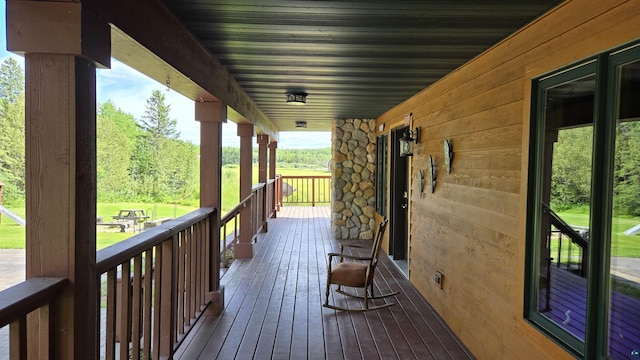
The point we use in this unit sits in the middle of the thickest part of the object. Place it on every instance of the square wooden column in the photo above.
(211, 116)
(263, 141)
(62, 43)
(273, 146)
(244, 249)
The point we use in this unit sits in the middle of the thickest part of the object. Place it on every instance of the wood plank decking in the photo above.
(273, 306)
(568, 310)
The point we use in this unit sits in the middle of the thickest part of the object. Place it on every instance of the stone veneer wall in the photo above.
(353, 179)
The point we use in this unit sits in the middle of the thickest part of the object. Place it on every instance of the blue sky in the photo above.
(129, 90)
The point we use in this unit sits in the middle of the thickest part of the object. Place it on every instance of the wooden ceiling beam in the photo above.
(149, 38)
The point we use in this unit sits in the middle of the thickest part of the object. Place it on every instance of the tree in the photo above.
(156, 120)
(11, 81)
(116, 134)
(12, 131)
(627, 169)
(571, 176)
(163, 167)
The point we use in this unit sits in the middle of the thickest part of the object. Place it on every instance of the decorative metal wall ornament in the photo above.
(421, 183)
(433, 173)
(448, 155)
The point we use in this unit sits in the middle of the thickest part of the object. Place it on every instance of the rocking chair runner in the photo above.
(357, 274)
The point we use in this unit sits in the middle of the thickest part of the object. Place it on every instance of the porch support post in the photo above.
(244, 249)
(263, 142)
(62, 42)
(273, 146)
(211, 115)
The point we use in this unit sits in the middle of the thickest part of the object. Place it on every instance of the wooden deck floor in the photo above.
(273, 306)
(568, 310)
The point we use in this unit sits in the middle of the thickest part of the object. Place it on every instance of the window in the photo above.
(381, 174)
(584, 206)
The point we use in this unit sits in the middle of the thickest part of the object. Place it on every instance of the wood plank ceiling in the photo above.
(354, 59)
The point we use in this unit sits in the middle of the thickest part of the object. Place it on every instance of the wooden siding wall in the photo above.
(472, 228)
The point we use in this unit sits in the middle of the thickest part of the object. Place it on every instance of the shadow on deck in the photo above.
(273, 306)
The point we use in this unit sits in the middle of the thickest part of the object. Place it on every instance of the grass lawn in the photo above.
(12, 235)
(623, 245)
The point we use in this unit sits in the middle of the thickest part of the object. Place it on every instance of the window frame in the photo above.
(381, 173)
(605, 66)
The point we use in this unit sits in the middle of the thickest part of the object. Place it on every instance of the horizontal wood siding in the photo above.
(472, 228)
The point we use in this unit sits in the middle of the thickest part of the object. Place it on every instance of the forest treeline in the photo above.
(144, 159)
(572, 163)
(141, 160)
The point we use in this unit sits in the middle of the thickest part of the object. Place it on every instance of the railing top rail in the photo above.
(27, 296)
(566, 228)
(231, 213)
(306, 177)
(258, 186)
(118, 253)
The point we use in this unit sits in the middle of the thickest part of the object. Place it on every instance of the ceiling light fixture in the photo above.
(301, 124)
(296, 98)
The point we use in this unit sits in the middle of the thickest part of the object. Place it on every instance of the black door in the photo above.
(398, 220)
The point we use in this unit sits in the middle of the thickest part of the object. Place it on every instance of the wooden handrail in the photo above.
(27, 296)
(236, 209)
(576, 238)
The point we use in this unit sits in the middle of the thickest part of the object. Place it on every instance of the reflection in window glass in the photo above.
(565, 197)
(624, 297)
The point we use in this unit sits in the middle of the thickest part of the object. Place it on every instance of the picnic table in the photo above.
(133, 215)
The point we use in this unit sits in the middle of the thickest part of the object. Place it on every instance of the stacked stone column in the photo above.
(353, 178)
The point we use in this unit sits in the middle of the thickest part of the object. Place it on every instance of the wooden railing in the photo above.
(578, 241)
(154, 286)
(17, 302)
(262, 203)
(306, 189)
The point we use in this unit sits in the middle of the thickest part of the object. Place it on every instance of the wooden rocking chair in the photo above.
(357, 274)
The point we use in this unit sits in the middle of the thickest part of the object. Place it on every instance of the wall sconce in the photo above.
(407, 141)
(296, 98)
(301, 124)
(421, 183)
(433, 173)
(448, 155)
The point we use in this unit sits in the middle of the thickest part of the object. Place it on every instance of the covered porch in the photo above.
(358, 65)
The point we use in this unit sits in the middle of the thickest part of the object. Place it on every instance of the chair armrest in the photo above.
(350, 257)
(358, 246)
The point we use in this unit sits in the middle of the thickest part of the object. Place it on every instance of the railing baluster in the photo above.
(313, 192)
(125, 319)
(111, 315)
(148, 281)
(157, 281)
(167, 301)
(18, 338)
(136, 311)
(182, 319)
